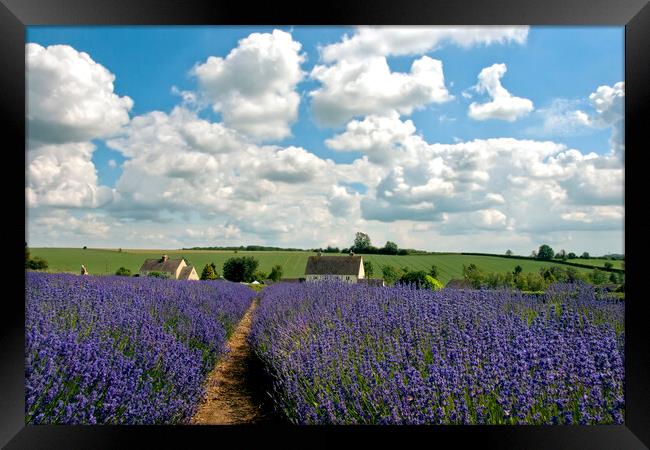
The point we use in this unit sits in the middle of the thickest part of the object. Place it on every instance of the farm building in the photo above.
(176, 269)
(345, 268)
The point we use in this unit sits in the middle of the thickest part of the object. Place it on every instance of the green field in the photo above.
(107, 261)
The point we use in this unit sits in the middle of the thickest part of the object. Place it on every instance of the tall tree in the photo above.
(434, 271)
(276, 273)
(545, 252)
(390, 248)
(361, 242)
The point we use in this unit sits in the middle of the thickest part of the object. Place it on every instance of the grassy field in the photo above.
(107, 261)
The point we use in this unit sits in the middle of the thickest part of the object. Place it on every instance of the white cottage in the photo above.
(345, 268)
(176, 269)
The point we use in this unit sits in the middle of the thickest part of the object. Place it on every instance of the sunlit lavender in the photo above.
(347, 354)
(115, 350)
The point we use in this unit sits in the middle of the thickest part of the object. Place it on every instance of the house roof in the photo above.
(158, 265)
(185, 273)
(333, 265)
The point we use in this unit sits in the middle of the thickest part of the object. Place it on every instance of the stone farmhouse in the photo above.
(345, 268)
(175, 269)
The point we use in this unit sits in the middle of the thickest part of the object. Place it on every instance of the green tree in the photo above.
(123, 272)
(518, 270)
(585, 255)
(37, 263)
(545, 252)
(361, 242)
(208, 272)
(434, 272)
(613, 278)
(598, 276)
(390, 248)
(276, 273)
(608, 265)
(240, 269)
(571, 255)
(259, 276)
(390, 274)
(368, 269)
(508, 252)
(419, 278)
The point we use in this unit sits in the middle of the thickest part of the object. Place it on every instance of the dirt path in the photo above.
(235, 388)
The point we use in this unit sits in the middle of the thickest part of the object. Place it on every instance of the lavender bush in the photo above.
(350, 354)
(115, 350)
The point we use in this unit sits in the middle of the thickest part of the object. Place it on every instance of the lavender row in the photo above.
(116, 350)
(351, 354)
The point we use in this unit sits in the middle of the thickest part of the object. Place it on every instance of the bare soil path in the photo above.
(236, 386)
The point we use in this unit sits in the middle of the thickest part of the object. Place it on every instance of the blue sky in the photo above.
(555, 68)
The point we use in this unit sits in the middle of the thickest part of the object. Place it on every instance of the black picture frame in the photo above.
(15, 15)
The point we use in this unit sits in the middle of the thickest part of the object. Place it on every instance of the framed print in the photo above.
(245, 222)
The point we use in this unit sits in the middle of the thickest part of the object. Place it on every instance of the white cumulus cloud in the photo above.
(253, 87)
(368, 86)
(504, 106)
(408, 40)
(70, 97)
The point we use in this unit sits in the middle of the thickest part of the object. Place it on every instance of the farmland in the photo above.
(116, 350)
(352, 354)
(107, 261)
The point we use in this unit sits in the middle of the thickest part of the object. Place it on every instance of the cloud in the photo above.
(70, 97)
(561, 118)
(181, 166)
(61, 224)
(342, 203)
(602, 109)
(64, 176)
(293, 165)
(504, 106)
(253, 88)
(609, 105)
(368, 86)
(377, 136)
(500, 184)
(410, 40)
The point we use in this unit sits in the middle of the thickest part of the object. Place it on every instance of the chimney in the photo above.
(351, 253)
(165, 258)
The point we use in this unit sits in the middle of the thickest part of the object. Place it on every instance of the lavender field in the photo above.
(352, 354)
(116, 350)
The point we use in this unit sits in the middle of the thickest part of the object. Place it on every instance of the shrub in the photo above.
(276, 272)
(155, 274)
(209, 273)
(123, 271)
(421, 279)
(260, 276)
(240, 269)
(37, 263)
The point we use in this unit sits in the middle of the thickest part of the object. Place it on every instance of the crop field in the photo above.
(353, 354)
(117, 350)
(106, 262)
